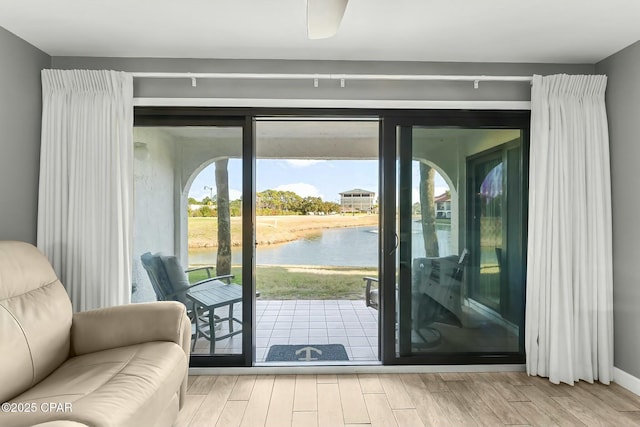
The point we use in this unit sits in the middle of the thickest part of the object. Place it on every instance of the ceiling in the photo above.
(553, 31)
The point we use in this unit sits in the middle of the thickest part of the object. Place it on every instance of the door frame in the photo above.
(171, 117)
(389, 119)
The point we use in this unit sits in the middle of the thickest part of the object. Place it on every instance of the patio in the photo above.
(346, 322)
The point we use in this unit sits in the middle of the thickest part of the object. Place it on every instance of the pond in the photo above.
(347, 247)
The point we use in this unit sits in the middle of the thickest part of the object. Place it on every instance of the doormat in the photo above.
(306, 353)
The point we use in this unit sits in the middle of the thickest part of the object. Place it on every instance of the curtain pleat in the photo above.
(86, 183)
(569, 311)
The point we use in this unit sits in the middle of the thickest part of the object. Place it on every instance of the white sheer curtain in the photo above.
(569, 312)
(86, 183)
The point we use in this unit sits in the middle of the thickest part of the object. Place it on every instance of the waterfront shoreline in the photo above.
(274, 230)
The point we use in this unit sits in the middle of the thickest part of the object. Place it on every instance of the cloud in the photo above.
(302, 163)
(301, 189)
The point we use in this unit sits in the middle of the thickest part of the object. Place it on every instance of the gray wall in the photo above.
(303, 89)
(20, 112)
(623, 109)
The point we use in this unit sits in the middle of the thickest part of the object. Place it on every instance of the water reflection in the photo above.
(348, 247)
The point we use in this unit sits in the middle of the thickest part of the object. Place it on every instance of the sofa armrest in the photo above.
(124, 325)
(60, 423)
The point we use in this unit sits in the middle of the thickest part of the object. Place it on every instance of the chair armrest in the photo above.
(227, 278)
(124, 325)
(369, 281)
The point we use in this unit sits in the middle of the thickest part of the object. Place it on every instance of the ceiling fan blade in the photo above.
(324, 17)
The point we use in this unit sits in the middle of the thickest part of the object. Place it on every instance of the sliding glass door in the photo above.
(458, 269)
(451, 236)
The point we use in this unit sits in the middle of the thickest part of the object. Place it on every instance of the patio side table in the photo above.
(210, 296)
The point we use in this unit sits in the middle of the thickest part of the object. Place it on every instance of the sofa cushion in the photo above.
(35, 319)
(126, 386)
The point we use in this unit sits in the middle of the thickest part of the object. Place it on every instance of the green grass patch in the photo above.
(305, 282)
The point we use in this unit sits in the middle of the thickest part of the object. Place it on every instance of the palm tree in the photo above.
(428, 210)
(223, 263)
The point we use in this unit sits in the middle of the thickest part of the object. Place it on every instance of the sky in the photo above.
(317, 178)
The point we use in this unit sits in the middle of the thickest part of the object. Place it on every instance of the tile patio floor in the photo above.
(346, 322)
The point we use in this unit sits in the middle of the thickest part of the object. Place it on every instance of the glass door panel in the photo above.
(189, 229)
(317, 240)
(485, 231)
(459, 274)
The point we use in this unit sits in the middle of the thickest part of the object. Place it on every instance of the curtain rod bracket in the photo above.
(315, 82)
(476, 83)
(341, 82)
(193, 82)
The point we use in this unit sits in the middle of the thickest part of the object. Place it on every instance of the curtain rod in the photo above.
(330, 76)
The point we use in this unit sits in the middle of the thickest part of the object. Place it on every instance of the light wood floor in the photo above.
(413, 400)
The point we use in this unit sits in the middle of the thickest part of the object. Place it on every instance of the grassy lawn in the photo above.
(304, 282)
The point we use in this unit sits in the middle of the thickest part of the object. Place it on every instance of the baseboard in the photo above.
(283, 369)
(626, 380)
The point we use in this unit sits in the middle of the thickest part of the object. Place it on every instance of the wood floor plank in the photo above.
(582, 412)
(191, 406)
(479, 377)
(434, 383)
(534, 415)
(327, 379)
(329, 406)
(519, 378)
(635, 417)
(548, 405)
(305, 419)
(243, 388)
(370, 383)
(428, 410)
(621, 391)
(604, 411)
(258, 404)
(448, 399)
(481, 413)
(306, 393)
(213, 403)
(232, 413)
(354, 409)
(396, 393)
(451, 376)
(202, 384)
(456, 412)
(407, 418)
(379, 410)
(550, 389)
(280, 411)
(503, 409)
(190, 380)
(606, 394)
(508, 391)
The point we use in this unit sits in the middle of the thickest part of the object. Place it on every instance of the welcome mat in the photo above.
(306, 353)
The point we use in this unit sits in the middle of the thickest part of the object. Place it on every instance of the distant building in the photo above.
(443, 205)
(357, 200)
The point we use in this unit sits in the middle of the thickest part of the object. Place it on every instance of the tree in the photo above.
(223, 263)
(428, 210)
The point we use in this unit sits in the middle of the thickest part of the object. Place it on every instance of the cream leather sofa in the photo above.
(119, 366)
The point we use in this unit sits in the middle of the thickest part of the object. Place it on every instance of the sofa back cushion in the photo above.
(35, 318)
